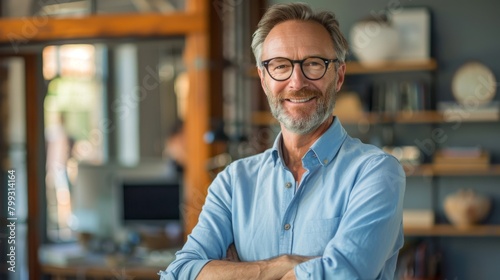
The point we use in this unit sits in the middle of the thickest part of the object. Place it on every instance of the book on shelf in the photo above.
(400, 96)
(460, 158)
(455, 112)
(461, 152)
(419, 259)
(418, 218)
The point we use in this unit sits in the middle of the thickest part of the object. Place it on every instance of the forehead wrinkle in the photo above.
(297, 40)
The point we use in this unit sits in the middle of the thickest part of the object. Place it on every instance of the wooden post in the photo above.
(203, 56)
(33, 136)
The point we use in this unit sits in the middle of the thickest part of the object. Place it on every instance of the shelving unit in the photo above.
(433, 118)
(450, 230)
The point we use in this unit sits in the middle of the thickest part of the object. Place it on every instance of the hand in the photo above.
(282, 266)
(294, 260)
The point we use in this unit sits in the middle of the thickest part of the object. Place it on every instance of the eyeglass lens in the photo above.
(282, 68)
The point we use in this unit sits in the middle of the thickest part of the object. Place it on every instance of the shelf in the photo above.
(450, 230)
(401, 117)
(356, 68)
(418, 117)
(430, 170)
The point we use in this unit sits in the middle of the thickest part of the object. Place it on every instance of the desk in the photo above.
(100, 272)
(61, 262)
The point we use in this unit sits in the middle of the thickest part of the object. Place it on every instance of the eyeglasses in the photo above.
(313, 68)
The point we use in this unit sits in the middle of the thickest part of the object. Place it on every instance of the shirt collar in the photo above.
(324, 149)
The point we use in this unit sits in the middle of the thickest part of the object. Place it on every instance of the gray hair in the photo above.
(279, 13)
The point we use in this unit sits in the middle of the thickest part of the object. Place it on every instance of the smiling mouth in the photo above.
(299, 100)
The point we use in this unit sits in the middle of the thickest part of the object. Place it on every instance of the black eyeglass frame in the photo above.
(265, 64)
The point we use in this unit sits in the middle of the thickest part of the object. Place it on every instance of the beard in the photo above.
(307, 121)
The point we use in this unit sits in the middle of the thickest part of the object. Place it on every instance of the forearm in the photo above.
(227, 270)
(270, 269)
(290, 275)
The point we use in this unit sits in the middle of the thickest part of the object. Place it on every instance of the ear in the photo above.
(341, 76)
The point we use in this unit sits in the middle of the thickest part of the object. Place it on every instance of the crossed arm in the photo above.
(365, 245)
(231, 268)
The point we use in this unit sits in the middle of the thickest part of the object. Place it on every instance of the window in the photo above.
(73, 108)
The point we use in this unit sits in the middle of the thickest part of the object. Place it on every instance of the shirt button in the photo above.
(287, 226)
(288, 185)
(325, 161)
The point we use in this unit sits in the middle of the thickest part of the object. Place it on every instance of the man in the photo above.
(318, 204)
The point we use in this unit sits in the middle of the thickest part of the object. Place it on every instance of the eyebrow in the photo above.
(301, 58)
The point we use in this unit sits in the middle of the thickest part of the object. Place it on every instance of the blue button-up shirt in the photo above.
(347, 209)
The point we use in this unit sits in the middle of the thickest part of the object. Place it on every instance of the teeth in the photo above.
(300, 100)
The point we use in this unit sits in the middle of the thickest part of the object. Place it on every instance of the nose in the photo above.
(297, 81)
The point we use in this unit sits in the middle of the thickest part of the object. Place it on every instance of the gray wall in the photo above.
(461, 31)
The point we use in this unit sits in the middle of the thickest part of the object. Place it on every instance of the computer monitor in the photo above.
(152, 208)
(110, 197)
(149, 202)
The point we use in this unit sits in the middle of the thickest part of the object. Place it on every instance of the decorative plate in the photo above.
(474, 84)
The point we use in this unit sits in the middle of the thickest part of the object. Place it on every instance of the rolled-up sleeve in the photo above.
(210, 238)
(370, 232)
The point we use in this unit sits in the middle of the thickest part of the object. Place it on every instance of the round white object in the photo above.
(474, 83)
(374, 42)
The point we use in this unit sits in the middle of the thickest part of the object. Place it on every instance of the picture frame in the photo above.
(413, 25)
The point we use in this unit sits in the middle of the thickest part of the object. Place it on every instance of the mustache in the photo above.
(298, 94)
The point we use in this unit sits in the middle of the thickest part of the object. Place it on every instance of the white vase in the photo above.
(466, 208)
(374, 41)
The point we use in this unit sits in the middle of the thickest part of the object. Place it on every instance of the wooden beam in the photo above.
(38, 29)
